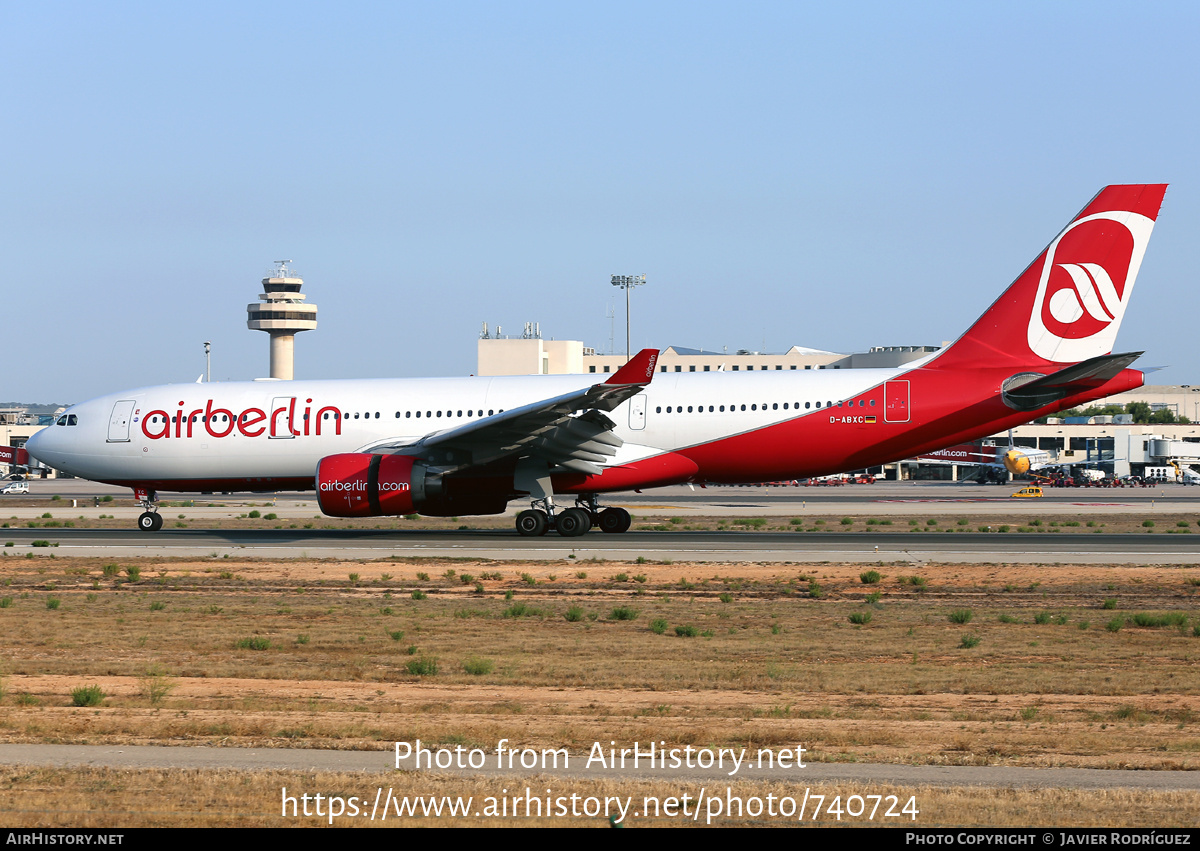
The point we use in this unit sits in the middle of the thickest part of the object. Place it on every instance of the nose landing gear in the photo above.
(149, 520)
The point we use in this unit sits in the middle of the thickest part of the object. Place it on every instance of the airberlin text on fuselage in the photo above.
(252, 422)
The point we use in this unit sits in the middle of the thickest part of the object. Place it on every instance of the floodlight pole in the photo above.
(628, 282)
(207, 362)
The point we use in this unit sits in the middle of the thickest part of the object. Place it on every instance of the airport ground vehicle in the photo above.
(466, 446)
(1031, 492)
(15, 488)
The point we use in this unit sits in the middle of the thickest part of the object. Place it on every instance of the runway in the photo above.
(83, 500)
(882, 497)
(875, 774)
(918, 547)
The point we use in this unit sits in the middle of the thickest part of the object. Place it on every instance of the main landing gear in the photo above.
(572, 522)
(149, 520)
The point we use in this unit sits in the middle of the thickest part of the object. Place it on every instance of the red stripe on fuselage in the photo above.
(943, 409)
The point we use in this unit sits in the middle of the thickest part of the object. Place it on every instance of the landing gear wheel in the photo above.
(573, 522)
(614, 520)
(532, 523)
(149, 521)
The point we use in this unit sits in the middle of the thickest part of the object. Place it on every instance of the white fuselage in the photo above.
(273, 430)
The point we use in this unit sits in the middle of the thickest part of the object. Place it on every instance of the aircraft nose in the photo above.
(40, 444)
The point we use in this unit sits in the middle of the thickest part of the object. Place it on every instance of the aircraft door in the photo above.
(279, 420)
(895, 402)
(637, 412)
(118, 423)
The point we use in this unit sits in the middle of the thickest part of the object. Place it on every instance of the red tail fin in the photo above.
(1067, 305)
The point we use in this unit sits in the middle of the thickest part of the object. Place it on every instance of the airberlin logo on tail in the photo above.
(1085, 283)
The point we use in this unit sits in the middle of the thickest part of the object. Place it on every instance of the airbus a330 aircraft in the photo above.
(461, 446)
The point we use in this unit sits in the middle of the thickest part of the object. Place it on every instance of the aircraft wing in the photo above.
(552, 429)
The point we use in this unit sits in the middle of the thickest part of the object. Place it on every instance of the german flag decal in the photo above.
(870, 419)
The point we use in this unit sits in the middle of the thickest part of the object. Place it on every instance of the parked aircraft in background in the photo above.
(1018, 460)
(461, 446)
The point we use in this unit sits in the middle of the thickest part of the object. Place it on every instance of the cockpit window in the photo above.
(71, 420)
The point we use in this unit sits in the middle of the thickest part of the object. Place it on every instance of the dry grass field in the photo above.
(1024, 665)
(98, 798)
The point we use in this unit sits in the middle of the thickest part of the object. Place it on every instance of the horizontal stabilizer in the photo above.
(1028, 391)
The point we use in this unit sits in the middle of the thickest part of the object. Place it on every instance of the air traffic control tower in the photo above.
(282, 313)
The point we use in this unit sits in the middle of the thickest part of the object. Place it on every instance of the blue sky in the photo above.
(784, 173)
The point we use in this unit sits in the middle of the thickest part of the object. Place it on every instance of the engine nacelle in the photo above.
(357, 484)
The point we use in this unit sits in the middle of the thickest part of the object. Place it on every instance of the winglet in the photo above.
(639, 370)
